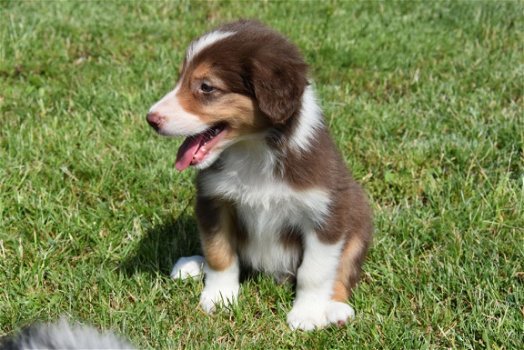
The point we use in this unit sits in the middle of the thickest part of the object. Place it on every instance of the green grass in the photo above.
(425, 101)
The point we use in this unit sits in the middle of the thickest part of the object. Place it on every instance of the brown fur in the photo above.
(275, 79)
(350, 216)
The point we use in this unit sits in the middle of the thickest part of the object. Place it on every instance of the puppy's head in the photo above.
(237, 81)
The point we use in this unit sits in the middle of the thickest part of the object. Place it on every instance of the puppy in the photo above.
(273, 193)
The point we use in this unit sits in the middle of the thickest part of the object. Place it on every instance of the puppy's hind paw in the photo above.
(339, 313)
(188, 267)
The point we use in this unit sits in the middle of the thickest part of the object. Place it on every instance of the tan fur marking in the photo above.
(340, 293)
(218, 249)
(201, 71)
(237, 110)
(348, 270)
(218, 253)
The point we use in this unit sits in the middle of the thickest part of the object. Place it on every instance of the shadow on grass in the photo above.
(163, 244)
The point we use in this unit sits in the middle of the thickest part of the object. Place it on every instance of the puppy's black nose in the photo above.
(154, 119)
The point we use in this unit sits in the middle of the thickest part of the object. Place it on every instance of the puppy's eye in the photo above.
(206, 88)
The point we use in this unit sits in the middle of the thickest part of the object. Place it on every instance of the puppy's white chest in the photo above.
(264, 249)
(266, 207)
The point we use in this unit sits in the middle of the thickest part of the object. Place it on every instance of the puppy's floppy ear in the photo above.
(278, 84)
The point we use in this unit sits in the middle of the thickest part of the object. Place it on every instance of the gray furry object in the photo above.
(63, 335)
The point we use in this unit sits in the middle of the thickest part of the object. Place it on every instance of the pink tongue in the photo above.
(186, 151)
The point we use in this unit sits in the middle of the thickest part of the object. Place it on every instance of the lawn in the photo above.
(425, 101)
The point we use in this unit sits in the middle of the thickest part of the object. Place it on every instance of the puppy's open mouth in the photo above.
(195, 148)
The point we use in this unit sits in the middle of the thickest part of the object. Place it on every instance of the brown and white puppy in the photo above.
(273, 191)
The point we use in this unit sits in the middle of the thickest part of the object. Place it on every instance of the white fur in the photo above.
(221, 287)
(310, 120)
(246, 177)
(264, 204)
(319, 267)
(178, 122)
(188, 267)
(313, 307)
(205, 41)
(338, 312)
(309, 316)
(265, 221)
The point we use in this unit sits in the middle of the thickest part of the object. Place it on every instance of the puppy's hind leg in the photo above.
(315, 279)
(338, 311)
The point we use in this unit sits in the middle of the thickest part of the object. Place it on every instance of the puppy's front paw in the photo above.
(188, 267)
(213, 296)
(307, 316)
(314, 315)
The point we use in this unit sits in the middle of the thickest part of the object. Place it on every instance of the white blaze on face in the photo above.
(178, 121)
(205, 41)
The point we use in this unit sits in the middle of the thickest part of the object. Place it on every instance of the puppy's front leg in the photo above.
(218, 235)
(313, 306)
